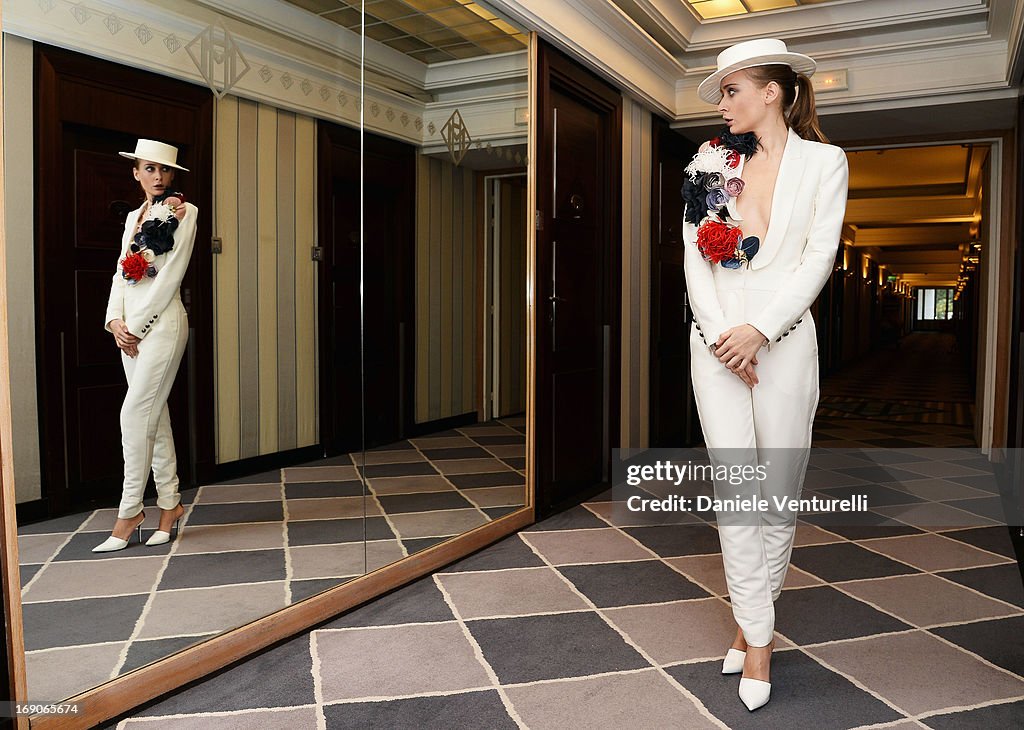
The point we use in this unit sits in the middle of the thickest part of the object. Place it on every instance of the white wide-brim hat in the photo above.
(760, 52)
(153, 151)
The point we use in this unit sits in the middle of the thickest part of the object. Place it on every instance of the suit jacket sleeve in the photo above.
(700, 287)
(168, 279)
(802, 286)
(115, 302)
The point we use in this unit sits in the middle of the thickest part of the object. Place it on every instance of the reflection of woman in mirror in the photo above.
(148, 321)
(750, 279)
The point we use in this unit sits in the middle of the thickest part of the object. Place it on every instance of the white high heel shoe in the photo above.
(733, 663)
(755, 692)
(159, 537)
(112, 543)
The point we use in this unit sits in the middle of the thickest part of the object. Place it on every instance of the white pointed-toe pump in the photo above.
(160, 537)
(115, 543)
(756, 692)
(733, 663)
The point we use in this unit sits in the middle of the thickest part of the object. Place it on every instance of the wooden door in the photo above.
(509, 316)
(367, 354)
(673, 412)
(342, 345)
(578, 254)
(386, 352)
(87, 111)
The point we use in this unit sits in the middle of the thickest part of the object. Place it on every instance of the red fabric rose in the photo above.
(733, 160)
(718, 241)
(134, 267)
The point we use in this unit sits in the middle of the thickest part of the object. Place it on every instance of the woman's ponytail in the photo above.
(803, 117)
(797, 98)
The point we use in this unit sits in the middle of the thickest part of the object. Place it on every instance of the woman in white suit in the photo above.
(765, 207)
(149, 325)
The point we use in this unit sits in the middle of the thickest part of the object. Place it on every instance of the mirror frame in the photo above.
(130, 690)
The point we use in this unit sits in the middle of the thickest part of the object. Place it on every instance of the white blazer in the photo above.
(141, 304)
(795, 258)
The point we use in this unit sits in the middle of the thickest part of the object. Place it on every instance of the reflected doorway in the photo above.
(504, 323)
(81, 125)
(367, 354)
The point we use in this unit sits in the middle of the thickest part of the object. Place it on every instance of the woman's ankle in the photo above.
(739, 642)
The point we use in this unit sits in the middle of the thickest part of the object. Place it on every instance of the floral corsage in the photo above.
(155, 237)
(712, 183)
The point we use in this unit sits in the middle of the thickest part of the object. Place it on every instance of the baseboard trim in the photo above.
(266, 462)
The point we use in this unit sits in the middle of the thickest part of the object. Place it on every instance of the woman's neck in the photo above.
(772, 138)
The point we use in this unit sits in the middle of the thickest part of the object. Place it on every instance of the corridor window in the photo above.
(934, 303)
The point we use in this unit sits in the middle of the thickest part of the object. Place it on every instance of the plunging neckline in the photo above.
(138, 218)
(775, 191)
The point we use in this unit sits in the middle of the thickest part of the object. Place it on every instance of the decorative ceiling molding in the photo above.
(930, 74)
(299, 84)
(896, 54)
(447, 75)
(1015, 48)
(310, 83)
(603, 37)
(818, 21)
(290, 21)
(923, 209)
(669, 19)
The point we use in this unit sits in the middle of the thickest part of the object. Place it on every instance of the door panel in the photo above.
(369, 357)
(578, 254)
(383, 325)
(674, 421)
(92, 343)
(81, 126)
(97, 460)
(343, 341)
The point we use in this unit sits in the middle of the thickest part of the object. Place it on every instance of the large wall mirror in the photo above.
(354, 389)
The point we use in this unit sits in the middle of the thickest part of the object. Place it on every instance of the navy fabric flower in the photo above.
(695, 198)
(746, 143)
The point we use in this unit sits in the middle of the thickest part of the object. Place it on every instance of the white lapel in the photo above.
(791, 171)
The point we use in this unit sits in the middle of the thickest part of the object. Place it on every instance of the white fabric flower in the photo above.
(714, 158)
(148, 255)
(161, 212)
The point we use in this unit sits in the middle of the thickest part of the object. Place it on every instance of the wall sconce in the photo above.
(830, 81)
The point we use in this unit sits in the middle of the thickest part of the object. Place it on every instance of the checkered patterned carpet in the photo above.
(249, 547)
(600, 618)
(924, 380)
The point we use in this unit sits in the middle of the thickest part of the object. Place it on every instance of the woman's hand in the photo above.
(747, 374)
(126, 341)
(737, 349)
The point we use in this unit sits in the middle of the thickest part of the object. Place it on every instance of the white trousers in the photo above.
(145, 420)
(771, 421)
